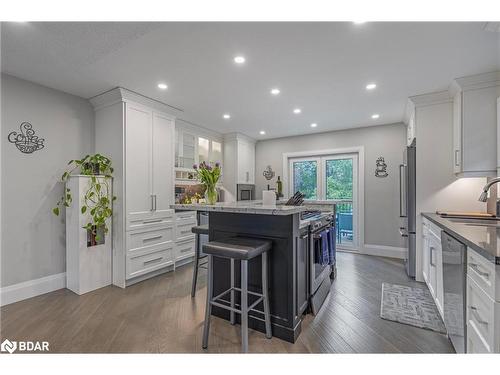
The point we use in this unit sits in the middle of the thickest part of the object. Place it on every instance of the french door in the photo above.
(330, 178)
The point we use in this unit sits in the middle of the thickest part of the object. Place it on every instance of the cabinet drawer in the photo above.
(183, 230)
(184, 249)
(185, 215)
(141, 264)
(475, 343)
(142, 240)
(481, 311)
(483, 273)
(139, 220)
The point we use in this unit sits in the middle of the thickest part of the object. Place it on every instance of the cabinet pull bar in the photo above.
(152, 260)
(152, 204)
(478, 317)
(152, 238)
(475, 267)
(152, 221)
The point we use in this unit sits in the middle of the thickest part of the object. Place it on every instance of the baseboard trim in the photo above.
(32, 288)
(384, 251)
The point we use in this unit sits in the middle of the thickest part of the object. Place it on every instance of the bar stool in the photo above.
(198, 230)
(242, 249)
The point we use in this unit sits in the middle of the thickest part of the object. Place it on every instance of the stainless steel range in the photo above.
(312, 223)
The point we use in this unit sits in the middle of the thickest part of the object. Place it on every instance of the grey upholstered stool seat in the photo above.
(237, 247)
(198, 230)
(240, 249)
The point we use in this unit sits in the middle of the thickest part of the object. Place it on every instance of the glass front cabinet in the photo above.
(192, 149)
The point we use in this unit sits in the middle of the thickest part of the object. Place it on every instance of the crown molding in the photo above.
(238, 136)
(120, 94)
(432, 98)
(474, 82)
(409, 109)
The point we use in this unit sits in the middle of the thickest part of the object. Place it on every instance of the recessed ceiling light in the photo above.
(313, 125)
(297, 111)
(162, 86)
(358, 22)
(375, 116)
(275, 91)
(226, 116)
(239, 59)
(262, 132)
(371, 86)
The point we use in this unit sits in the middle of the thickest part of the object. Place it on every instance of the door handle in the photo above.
(475, 267)
(402, 192)
(457, 164)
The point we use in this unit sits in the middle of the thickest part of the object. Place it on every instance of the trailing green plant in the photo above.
(96, 200)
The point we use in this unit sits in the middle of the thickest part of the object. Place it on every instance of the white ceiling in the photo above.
(320, 67)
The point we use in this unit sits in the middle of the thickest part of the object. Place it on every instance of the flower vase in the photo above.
(211, 195)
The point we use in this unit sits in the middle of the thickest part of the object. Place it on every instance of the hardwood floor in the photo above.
(159, 316)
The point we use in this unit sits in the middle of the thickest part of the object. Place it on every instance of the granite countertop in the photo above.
(244, 207)
(484, 239)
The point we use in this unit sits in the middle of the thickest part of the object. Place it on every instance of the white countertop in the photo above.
(244, 207)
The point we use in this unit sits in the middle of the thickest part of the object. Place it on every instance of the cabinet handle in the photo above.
(186, 249)
(248, 176)
(457, 164)
(152, 203)
(152, 260)
(152, 221)
(475, 267)
(151, 238)
(478, 317)
(155, 200)
(430, 258)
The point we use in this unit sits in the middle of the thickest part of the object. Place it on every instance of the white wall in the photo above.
(33, 239)
(381, 194)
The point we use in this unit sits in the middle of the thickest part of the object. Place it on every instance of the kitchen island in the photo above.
(288, 264)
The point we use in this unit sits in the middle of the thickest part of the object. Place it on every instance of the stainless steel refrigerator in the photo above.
(407, 206)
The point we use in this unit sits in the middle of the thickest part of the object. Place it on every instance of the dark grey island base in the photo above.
(287, 264)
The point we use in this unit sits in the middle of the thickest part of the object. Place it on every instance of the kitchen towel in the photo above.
(332, 246)
(325, 248)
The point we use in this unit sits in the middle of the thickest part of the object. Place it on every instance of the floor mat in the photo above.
(409, 305)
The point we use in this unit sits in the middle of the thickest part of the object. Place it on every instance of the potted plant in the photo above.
(208, 176)
(96, 200)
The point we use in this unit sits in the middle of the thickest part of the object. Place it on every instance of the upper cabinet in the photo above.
(194, 147)
(239, 162)
(475, 124)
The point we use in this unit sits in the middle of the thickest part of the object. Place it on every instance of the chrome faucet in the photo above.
(484, 195)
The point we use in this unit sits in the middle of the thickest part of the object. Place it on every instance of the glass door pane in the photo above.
(188, 150)
(339, 182)
(305, 178)
(203, 150)
(216, 154)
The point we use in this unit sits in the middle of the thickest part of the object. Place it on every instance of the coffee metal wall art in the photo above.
(381, 168)
(26, 141)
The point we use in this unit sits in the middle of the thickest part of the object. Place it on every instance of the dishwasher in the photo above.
(454, 285)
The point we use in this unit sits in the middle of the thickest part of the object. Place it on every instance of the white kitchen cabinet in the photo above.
(239, 162)
(246, 162)
(475, 124)
(138, 133)
(483, 304)
(433, 258)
